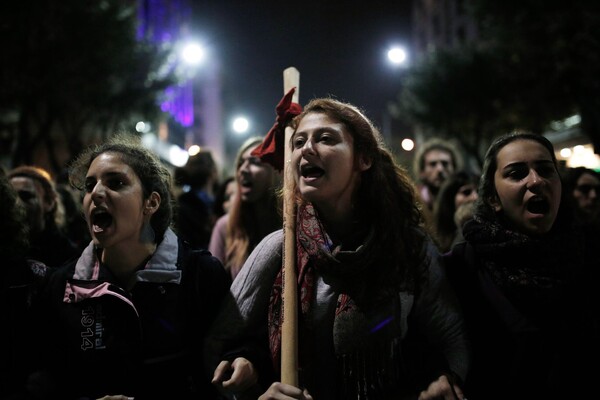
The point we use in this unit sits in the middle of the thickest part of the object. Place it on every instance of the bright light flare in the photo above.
(397, 55)
(240, 125)
(408, 144)
(193, 54)
(193, 150)
(581, 156)
(178, 156)
(566, 152)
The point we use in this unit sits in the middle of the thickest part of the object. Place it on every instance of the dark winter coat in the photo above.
(21, 282)
(144, 343)
(527, 311)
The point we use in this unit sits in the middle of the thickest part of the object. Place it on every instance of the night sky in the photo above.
(339, 47)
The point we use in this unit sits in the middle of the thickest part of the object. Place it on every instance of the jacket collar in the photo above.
(161, 268)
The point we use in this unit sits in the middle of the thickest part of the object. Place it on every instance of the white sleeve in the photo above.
(243, 313)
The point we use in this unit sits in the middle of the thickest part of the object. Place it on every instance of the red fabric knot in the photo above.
(271, 150)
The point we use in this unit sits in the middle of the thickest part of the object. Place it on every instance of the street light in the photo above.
(397, 59)
(397, 55)
(193, 54)
(240, 125)
(408, 144)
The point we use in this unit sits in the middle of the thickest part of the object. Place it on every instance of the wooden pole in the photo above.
(289, 328)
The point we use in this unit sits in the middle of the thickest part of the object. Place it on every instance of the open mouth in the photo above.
(538, 205)
(310, 171)
(246, 183)
(101, 220)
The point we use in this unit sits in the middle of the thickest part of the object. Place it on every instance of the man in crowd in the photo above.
(435, 161)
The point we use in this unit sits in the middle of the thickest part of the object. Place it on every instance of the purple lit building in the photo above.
(194, 104)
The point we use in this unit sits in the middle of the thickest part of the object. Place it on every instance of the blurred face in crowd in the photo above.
(528, 186)
(255, 178)
(466, 193)
(113, 202)
(328, 171)
(32, 195)
(437, 167)
(586, 194)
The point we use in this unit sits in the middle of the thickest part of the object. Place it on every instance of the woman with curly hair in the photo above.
(128, 315)
(369, 278)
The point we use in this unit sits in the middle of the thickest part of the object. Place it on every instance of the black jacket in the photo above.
(101, 340)
(20, 284)
(527, 308)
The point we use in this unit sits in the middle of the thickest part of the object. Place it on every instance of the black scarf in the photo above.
(533, 273)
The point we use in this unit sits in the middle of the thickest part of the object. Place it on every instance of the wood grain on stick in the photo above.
(289, 329)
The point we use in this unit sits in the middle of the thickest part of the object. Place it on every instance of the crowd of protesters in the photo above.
(133, 281)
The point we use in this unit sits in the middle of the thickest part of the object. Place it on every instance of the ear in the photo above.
(363, 163)
(152, 203)
(495, 203)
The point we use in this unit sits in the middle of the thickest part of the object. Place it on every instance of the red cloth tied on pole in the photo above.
(271, 150)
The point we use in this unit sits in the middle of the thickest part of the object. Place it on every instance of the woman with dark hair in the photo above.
(521, 278)
(369, 278)
(254, 211)
(127, 318)
(459, 189)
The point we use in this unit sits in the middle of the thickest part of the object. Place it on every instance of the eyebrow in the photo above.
(109, 175)
(320, 130)
(536, 162)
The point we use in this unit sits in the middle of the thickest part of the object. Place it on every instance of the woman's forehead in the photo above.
(522, 150)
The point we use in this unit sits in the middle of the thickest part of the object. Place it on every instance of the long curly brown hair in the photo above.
(385, 198)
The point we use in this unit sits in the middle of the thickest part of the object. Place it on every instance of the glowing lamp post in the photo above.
(193, 54)
(397, 55)
(240, 125)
